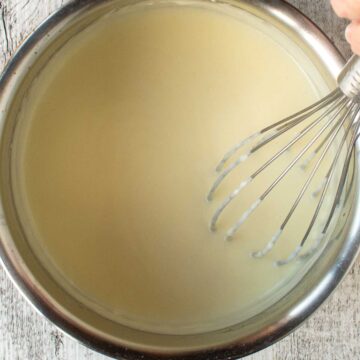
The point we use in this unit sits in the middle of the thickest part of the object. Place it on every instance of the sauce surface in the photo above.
(124, 128)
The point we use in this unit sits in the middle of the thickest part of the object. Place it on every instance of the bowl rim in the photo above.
(16, 270)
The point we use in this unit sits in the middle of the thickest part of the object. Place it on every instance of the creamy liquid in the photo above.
(124, 128)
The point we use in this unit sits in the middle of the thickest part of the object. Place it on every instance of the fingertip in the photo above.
(340, 8)
(352, 35)
(349, 33)
(355, 48)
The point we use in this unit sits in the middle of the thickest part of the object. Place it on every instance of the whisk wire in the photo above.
(330, 137)
(308, 111)
(340, 101)
(286, 127)
(231, 232)
(303, 114)
(323, 233)
(246, 182)
(344, 172)
(324, 190)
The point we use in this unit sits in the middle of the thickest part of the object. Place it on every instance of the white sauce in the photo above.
(124, 129)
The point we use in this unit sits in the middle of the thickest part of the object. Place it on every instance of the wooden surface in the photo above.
(332, 333)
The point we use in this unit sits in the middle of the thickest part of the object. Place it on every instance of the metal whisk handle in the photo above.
(349, 79)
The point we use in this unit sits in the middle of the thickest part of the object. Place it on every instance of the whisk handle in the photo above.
(349, 79)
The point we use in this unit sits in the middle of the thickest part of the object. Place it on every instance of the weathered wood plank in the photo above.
(332, 333)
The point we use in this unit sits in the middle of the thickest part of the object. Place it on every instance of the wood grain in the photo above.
(333, 333)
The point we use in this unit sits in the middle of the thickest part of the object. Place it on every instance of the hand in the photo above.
(350, 9)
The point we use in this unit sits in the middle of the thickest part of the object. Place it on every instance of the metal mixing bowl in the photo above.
(112, 338)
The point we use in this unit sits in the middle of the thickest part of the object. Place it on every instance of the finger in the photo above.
(349, 9)
(352, 35)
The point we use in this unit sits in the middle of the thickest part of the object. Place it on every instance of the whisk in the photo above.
(336, 115)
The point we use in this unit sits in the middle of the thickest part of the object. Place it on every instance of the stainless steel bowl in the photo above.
(112, 338)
